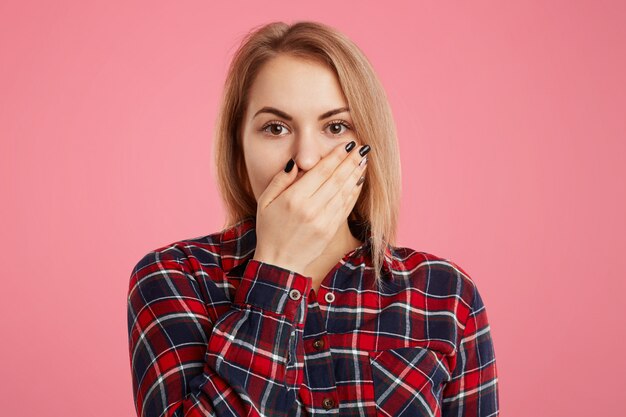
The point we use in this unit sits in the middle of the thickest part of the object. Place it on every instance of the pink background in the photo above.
(512, 129)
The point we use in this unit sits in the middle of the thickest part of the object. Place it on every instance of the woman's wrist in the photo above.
(291, 266)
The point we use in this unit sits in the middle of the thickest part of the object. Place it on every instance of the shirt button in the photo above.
(328, 403)
(318, 344)
(294, 294)
(329, 297)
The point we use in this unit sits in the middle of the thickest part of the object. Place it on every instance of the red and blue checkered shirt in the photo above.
(213, 332)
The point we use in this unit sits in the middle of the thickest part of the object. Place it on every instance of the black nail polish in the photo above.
(289, 165)
(350, 145)
(364, 150)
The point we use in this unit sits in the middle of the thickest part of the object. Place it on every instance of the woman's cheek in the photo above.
(260, 177)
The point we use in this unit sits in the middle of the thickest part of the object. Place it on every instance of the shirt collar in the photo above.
(238, 242)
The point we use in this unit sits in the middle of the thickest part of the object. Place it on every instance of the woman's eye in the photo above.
(275, 129)
(335, 127)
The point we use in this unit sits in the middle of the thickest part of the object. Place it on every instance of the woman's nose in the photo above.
(308, 151)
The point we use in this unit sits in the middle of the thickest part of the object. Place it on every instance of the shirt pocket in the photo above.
(408, 381)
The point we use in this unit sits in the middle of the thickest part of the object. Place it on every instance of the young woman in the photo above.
(302, 305)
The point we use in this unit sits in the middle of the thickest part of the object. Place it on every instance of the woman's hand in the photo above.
(295, 222)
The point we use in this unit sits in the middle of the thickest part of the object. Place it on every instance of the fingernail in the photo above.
(350, 145)
(361, 180)
(364, 150)
(363, 161)
(289, 165)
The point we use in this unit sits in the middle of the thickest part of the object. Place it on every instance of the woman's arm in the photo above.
(473, 388)
(249, 362)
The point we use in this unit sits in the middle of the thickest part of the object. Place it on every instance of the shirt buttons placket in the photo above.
(328, 403)
(329, 297)
(294, 294)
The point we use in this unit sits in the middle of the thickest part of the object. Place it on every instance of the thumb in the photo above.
(283, 179)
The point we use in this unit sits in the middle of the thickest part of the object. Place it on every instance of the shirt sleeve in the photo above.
(246, 362)
(473, 387)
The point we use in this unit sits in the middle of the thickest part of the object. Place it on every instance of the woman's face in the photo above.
(295, 109)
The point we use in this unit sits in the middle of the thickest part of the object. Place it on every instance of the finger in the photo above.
(311, 181)
(342, 179)
(281, 181)
(344, 201)
(355, 192)
(354, 195)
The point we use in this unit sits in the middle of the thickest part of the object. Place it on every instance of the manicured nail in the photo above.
(361, 180)
(364, 150)
(350, 145)
(289, 165)
(363, 161)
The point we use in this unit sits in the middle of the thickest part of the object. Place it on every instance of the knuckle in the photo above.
(340, 156)
(334, 181)
(356, 160)
(307, 214)
(327, 170)
(320, 229)
(290, 203)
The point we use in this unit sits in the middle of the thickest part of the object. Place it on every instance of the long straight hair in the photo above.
(377, 207)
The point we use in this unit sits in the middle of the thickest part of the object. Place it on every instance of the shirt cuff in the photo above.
(274, 288)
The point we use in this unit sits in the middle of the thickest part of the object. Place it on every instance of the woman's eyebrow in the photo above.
(284, 115)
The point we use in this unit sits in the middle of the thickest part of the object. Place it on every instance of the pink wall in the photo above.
(512, 129)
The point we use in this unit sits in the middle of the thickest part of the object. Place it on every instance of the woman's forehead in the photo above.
(295, 87)
(288, 80)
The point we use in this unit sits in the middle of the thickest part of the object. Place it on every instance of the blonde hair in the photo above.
(377, 208)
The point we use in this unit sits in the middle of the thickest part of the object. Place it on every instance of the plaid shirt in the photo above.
(213, 332)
